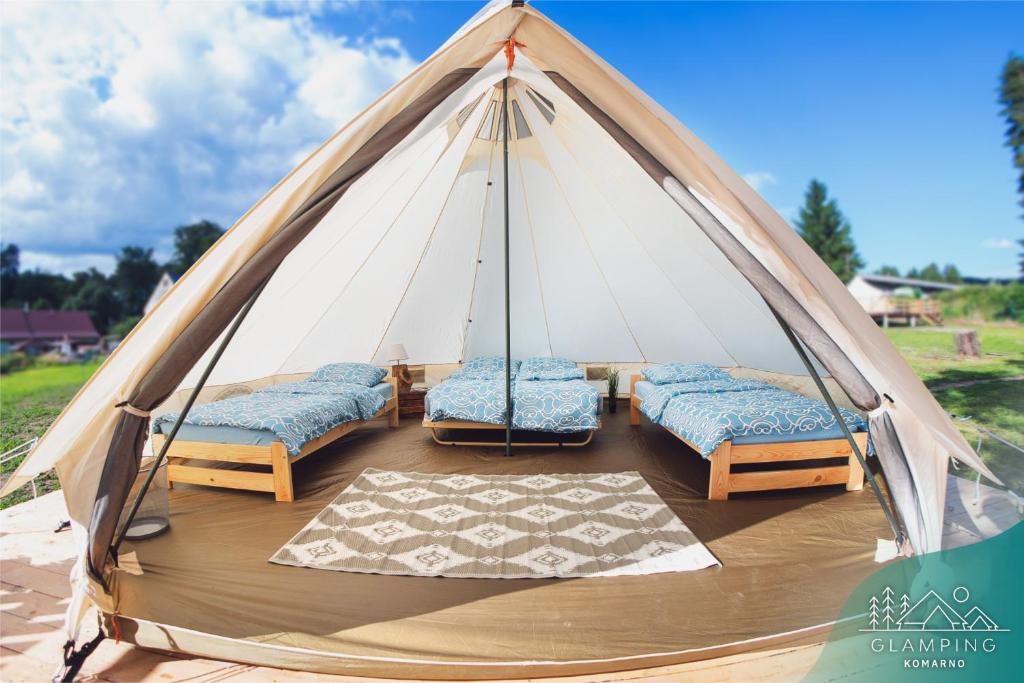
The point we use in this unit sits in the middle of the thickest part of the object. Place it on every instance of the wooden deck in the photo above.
(35, 561)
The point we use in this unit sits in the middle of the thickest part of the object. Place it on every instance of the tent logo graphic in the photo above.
(930, 613)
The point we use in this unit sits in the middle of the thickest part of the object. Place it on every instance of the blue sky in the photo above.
(148, 116)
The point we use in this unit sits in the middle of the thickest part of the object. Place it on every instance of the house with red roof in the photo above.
(45, 329)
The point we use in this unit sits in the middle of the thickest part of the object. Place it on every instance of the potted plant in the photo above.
(613, 388)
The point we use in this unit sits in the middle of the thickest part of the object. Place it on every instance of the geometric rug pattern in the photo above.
(497, 526)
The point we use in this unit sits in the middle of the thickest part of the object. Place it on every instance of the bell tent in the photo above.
(628, 242)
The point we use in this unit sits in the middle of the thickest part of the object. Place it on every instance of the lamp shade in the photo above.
(396, 352)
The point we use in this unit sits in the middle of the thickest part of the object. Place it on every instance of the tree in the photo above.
(1020, 256)
(951, 274)
(39, 290)
(10, 261)
(826, 230)
(1011, 96)
(134, 278)
(191, 242)
(888, 270)
(914, 274)
(931, 272)
(93, 292)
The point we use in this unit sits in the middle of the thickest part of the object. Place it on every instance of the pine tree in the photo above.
(888, 270)
(825, 229)
(951, 274)
(873, 613)
(932, 273)
(904, 605)
(1011, 96)
(887, 608)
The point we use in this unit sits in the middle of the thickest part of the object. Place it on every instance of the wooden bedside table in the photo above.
(410, 403)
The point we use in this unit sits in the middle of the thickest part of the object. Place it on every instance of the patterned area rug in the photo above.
(497, 527)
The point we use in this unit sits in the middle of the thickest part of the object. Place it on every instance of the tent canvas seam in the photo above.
(373, 250)
(427, 243)
(479, 245)
(584, 172)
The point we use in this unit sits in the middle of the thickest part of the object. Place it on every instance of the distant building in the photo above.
(886, 297)
(46, 330)
(162, 287)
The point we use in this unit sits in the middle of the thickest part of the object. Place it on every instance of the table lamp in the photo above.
(397, 353)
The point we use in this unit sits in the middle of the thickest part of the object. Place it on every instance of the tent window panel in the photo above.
(487, 124)
(500, 134)
(522, 130)
(464, 114)
(546, 112)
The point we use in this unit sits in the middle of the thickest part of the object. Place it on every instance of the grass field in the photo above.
(29, 402)
(31, 399)
(990, 398)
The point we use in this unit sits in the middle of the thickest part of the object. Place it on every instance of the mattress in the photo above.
(745, 411)
(559, 406)
(427, 408)
(240, 435)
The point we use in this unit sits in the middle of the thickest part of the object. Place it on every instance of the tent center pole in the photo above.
(181, 416)
(889, 515)
(508, 316)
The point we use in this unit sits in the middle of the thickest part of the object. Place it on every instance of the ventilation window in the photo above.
(487, 124)
(464, 114)
(546, 107)
(522, 130)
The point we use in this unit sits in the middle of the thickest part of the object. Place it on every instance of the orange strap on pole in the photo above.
(510, 52)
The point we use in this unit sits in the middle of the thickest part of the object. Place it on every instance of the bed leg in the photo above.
(634, 410)
(282, 469)
(393, 414)
(718, 484)
(856, 480)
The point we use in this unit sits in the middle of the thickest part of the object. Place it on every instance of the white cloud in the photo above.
(121, 120)
(998, 243)
(58, 263)
(759, 180)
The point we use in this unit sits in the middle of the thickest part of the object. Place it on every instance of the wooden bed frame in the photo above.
(723, 481)
(433, 426)
(279, 480)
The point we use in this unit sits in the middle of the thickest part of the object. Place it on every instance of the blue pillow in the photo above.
(549, 368)
(552, 375)
(485, 367)
(671, 373)
(353, 373)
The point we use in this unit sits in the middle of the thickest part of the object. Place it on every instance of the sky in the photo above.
(121, 121)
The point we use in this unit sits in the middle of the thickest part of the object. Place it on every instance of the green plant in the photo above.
(12, 362)
(613, 382)
(984, 302)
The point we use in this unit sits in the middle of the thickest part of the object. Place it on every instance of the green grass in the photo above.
(932, 354)
(29, 401)
(997, 406)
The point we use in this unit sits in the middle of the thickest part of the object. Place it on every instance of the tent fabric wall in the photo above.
(730, 232)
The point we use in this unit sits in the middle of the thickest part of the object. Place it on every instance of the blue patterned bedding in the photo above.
(708, 413)
(564, 405)
(295, 413)
(472, 400)
(657, 396)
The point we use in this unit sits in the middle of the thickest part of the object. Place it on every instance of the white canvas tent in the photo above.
(630, 242)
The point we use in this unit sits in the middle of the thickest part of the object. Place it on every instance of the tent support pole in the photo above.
(508, 316)
(889, 515)
(154, 468)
